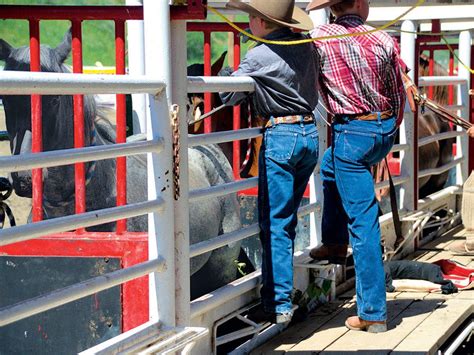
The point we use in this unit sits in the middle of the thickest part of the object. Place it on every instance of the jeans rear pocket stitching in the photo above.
(273, 153)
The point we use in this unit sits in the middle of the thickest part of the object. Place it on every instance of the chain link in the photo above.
(176, 148)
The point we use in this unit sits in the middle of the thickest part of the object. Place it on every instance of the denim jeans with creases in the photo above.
(350, 207)
(287, 159)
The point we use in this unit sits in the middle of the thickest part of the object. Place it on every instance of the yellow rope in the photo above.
(308, 40)
(456, 56)
(443, 37)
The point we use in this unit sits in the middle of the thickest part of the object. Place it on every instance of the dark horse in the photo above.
(438, 153)
(208, 166)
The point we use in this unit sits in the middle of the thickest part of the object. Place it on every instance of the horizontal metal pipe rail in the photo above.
(87, 219)
(399, 147)
(398, 180)
(202, 84)
(440, 80)
(439, 137)
(19, 83)
(78, 155)
(132, 340)
(222, 189)
(224, 294)
(82, 289)
(224, 136)
(441, 169)
(236, 236)
(223, 240)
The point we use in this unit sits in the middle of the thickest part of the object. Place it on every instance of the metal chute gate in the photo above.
(157, 310)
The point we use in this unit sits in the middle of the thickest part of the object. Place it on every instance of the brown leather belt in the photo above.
(369, 117)
(289, 119)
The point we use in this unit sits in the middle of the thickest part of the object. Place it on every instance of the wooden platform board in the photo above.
(419, 323)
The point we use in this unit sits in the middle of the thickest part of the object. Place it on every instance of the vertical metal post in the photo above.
(36, 123)
(462, 142)
(160, 180)
(471, 115)
(319, 17)
(136, 66)
(408, 166)
(181, 206)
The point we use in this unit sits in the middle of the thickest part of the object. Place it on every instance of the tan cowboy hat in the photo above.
(320, 4)
(281, 12)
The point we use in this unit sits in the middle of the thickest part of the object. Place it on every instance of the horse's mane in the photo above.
(20, 60)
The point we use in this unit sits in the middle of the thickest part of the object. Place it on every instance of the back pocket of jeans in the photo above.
(279, 145)
(358, 146)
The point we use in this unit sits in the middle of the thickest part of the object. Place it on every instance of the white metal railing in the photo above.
(14, 83)
(222, 189)
(201, 84)
(88, 219)
(225, 136)
(150, 338)
(438, 137)
(440, 80)
(77, 155)
(159, 137)
(82, 289)
(162, 299)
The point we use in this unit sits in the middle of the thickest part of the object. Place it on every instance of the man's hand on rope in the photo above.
(470, 132)
(415, 99)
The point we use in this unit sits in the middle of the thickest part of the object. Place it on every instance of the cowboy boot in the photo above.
(355, 323)
(333, 253)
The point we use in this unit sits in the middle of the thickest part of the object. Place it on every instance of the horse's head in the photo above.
(195, 107)
(57, 111)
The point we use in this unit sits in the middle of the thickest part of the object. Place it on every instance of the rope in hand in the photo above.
(414, 98)
(308, 40)
(5, 192)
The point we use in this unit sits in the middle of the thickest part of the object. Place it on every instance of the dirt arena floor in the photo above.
(20, 206)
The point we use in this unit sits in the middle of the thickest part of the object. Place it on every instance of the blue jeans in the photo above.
(350, 207)
(287, 159)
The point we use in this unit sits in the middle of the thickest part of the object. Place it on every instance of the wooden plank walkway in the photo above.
(419, 323)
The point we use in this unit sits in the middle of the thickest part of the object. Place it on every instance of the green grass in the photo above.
(98, 36)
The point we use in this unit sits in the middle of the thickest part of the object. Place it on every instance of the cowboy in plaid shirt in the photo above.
(360, 82)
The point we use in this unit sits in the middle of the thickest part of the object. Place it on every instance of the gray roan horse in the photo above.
(208, 166)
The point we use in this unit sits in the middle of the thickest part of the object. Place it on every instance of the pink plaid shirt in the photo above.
(359, 74)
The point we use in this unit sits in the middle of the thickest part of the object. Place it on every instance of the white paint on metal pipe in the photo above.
(78, 155)
(201, 84)
(225, 136)
(19, 83)
(87, 219)
(222, 189)
(158, 56)
(82, 289)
